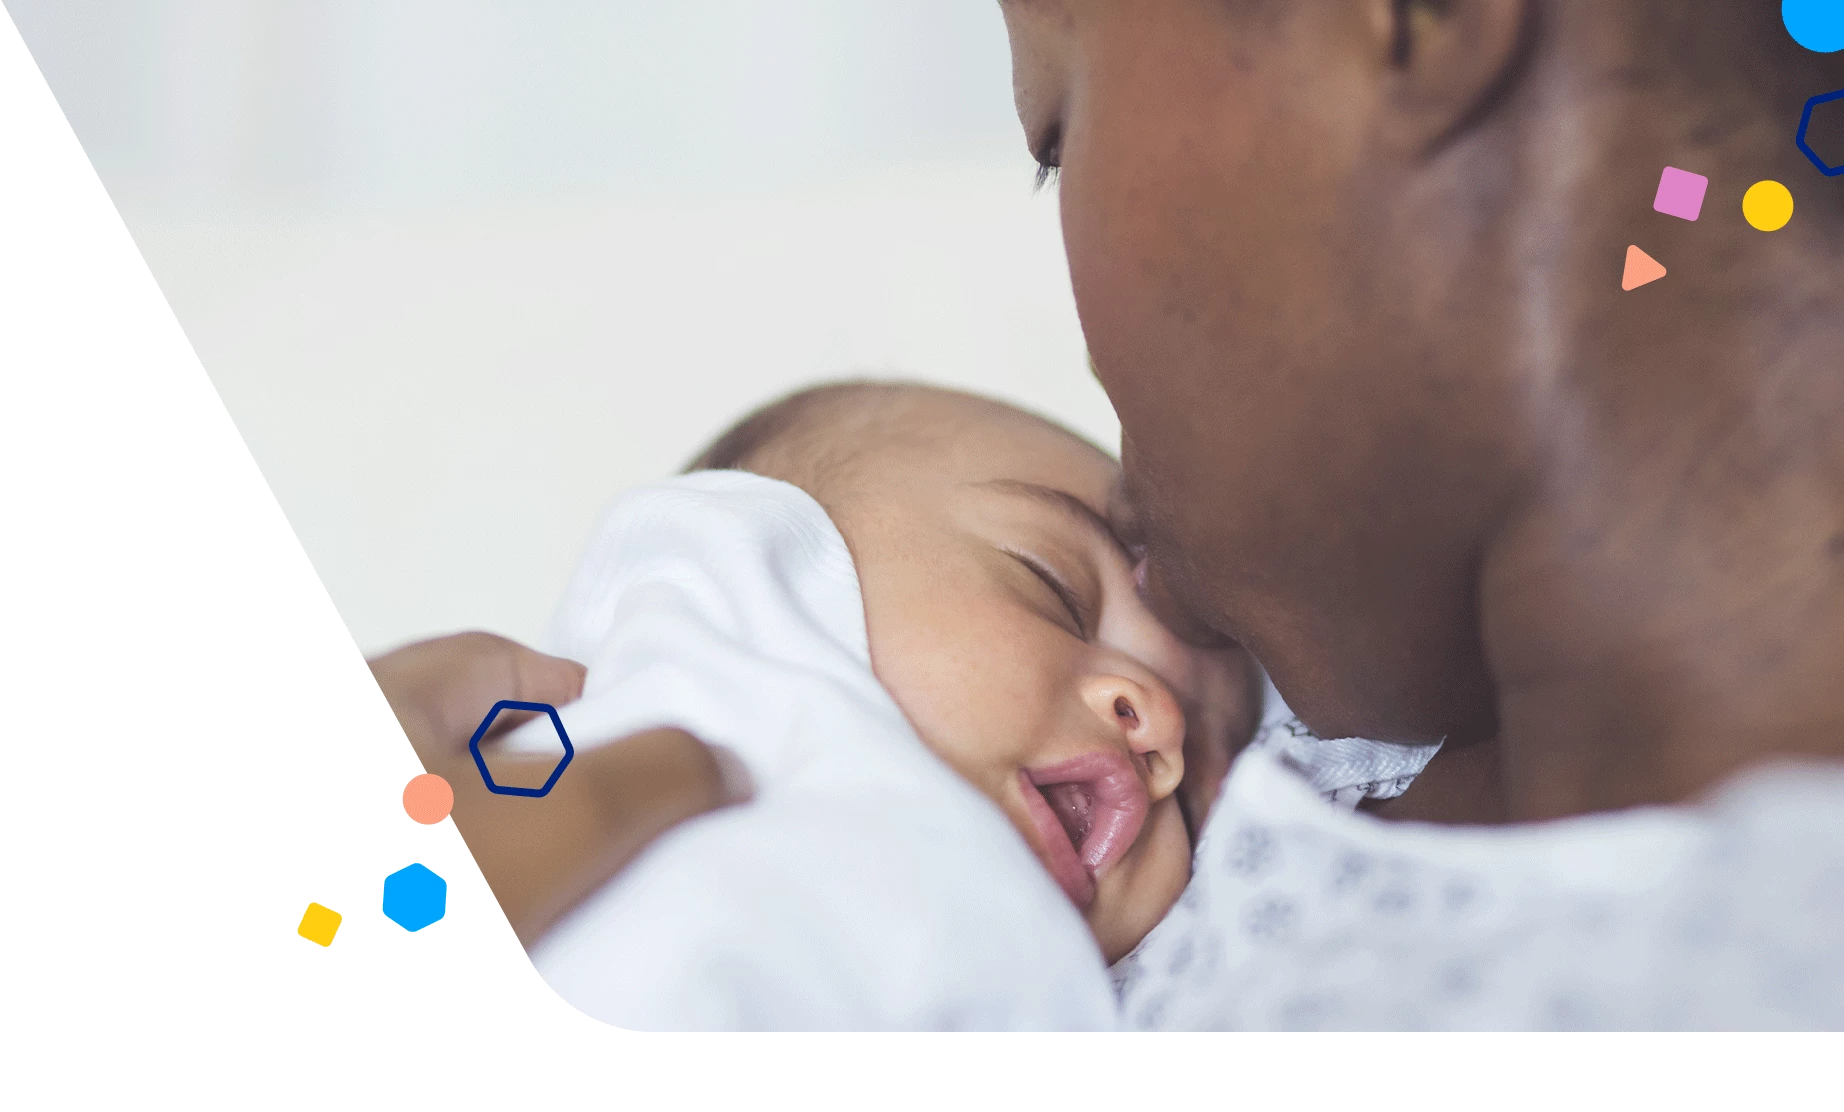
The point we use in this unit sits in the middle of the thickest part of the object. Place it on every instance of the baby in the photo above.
(844, 573)
(1003, 618)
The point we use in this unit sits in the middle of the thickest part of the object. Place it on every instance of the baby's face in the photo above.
(1004, 620)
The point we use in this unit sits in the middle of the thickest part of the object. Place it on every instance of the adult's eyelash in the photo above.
(1049, 155)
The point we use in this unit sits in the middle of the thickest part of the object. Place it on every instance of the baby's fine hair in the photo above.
(819, 438)
(773, 426)
(814, 438)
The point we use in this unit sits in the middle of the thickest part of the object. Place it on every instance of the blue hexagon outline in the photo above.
(1805, 122)
(480, 762)
(412, 871)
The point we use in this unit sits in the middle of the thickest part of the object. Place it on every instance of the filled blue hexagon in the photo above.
(414, 897)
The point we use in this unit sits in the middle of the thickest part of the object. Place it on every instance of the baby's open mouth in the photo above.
(1087, 812)
(1073, 806)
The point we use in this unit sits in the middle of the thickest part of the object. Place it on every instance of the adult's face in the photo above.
(1287, 303)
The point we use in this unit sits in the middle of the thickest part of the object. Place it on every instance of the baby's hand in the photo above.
(441, 689)
(542, 856)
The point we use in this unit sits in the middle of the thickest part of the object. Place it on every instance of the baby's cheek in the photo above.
(969, 690)
(1128, 625)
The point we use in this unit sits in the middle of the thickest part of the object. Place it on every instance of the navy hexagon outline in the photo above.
(480, 762)
(1805, 123)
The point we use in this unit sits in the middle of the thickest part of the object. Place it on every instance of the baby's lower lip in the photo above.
(1058, 854)
(1117, 798)
(1118, 804)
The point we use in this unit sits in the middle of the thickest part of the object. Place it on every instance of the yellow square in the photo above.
(319, 925)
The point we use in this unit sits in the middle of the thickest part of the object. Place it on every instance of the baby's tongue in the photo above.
(1073, 807)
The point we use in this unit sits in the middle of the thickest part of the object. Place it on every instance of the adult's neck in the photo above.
(1664, 606)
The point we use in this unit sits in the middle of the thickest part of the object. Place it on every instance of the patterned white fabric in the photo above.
(1726, 915)
(1346, 771)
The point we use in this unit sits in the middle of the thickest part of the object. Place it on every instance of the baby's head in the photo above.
(1004, 620)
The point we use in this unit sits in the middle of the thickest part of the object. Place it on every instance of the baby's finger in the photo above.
(541, 678)
(535, 678)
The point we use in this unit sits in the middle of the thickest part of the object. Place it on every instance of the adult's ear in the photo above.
(1448, 61)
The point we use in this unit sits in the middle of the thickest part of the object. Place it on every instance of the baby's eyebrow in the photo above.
(1068, 504)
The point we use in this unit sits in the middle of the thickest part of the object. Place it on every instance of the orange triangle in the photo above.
(1641, 268)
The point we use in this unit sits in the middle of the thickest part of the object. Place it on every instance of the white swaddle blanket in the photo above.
(866, 886)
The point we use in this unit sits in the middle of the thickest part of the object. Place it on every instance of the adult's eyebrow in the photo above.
(1069, 505)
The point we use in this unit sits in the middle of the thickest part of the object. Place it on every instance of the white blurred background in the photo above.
(463, 269)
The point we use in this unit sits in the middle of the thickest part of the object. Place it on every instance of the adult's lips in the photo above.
(1087, 811)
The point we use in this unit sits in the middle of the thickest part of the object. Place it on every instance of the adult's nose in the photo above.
(1146, 717)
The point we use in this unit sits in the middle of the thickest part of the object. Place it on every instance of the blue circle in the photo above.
(1817, 25)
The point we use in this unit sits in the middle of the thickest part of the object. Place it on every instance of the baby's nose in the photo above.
(1146, 716)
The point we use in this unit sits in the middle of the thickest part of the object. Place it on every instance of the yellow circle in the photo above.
(1768, 205)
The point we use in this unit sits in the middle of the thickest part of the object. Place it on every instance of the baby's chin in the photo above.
(1136, 892)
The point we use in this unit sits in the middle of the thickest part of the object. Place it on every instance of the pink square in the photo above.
(1680, 193)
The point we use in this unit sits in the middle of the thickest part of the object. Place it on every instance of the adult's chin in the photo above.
(1338, 684)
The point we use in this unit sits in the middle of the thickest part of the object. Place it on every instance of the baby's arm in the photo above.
(542, 856)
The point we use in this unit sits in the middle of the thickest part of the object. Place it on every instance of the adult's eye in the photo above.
(1048, 151)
